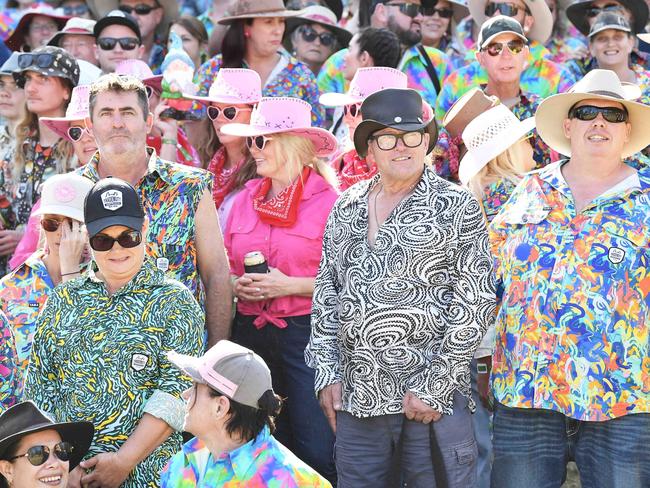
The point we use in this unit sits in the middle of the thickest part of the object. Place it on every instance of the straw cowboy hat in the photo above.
(233, 85)
(100, 8)
(316, 14)
(284, 115)
(366, 81)
(489, 135)
(251, 9)
(598, 84)
(577, 14)
(542, 27)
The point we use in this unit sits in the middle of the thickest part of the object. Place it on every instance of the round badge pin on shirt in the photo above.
(162, 264)
(615, 255)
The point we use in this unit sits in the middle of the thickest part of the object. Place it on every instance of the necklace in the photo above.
(381, 188)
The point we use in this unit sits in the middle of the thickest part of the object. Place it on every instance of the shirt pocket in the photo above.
(300, 246)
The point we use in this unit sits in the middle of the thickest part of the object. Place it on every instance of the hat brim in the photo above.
(338, 99)
(324, 142)
(46, 72)
(64, 210)
(154, 82)
(367, 127)
(59, 125)
(99, 225)
(342, 35)
(277, 13)
(607, 27)
(16, 40)
(189, 365)
(471, 164)
(493, 36)
(553, 110)
(577, 15)
(223, 99)
(542, 27)
(56, 38)
(105, 22)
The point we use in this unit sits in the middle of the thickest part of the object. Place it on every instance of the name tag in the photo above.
(162, 264)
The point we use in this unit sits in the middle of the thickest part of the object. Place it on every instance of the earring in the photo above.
(247, 34)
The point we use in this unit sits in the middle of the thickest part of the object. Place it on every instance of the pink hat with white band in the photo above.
(140, 70)
(366, 81)
(230, 369)
(233, 85)
(284, 115)
(78, 110)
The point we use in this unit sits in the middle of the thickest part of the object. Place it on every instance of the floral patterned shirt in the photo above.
(572, 331)
(8, 365)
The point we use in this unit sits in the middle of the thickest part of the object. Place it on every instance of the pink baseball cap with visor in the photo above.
(230, 369)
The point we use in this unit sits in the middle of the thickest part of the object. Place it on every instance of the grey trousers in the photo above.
(365, 449)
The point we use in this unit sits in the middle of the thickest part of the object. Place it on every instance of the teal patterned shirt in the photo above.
(103, 358)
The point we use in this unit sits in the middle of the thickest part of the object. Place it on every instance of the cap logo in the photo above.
(112, 199)
(65, 193)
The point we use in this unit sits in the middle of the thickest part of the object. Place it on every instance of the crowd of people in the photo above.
(316, 243)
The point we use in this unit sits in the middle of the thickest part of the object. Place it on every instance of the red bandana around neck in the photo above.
(281, 210)
(224, 179)
(355, 169)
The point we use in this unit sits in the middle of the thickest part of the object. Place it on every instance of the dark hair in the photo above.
(247, 422)
(121, 84)
(233, 46)
(382, 45)
(194, 26)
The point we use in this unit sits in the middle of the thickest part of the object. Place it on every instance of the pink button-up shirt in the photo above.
(293, 250)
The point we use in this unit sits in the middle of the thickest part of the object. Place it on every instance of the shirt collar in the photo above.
(244, 456)
(155, 166)
(146, 277)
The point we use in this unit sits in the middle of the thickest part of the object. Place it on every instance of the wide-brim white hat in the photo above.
(542, 27)
(598, 84)
(488, 135)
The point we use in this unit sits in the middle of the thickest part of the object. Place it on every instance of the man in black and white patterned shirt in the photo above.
(403, 297)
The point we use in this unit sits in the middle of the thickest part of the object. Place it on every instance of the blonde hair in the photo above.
(509, 165)
(298, 151)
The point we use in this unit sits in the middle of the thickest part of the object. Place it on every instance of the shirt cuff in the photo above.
(166, 407)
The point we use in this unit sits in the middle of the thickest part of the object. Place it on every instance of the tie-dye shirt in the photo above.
(290, 78)
(260, 463)
(171, 194)
(8, 365)
(103, 358)
(580, 67)
(572, 332)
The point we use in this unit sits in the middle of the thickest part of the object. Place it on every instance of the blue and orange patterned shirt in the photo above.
(260, 463)
(495, 195)
(572, 332)
(170, 194)
(8, 366)
(290, 78)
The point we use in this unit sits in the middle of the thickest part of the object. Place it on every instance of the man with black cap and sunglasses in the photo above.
(118, 38)
(570, 368)
(403, 297)
(101, 344)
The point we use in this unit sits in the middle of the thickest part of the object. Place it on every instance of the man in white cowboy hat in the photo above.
(77, 37)
(403, 297)
(570, 367)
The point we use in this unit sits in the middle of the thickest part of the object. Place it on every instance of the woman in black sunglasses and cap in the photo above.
(35, 451)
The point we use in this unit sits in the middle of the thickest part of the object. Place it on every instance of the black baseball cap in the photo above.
(501, 24)
(112, 201)
(117, 17)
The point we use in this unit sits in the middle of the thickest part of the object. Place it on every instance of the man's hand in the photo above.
(416, 409)
(330, 401)
(484, 366)
(108, 471)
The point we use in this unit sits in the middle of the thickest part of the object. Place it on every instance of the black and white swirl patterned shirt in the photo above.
(409, 313)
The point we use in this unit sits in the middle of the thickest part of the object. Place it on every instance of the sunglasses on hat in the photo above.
(310, 35)
(614, 115)
(127, 239)
(495, 48)
(352, 109)
(258, 141)
(444, 13)
(43, 60)
(37, 455)
(52, 225)
(126, 43)
(140, 9)
(507, 9)
(76, 133)
(229, 113)
(612, 7)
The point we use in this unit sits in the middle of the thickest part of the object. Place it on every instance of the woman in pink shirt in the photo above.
(282, 215)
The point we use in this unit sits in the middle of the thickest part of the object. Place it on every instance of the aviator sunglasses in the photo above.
(507, 9)
(614, 115)
(37, 455)
(495, 48)
(127, 239)
(230, 113)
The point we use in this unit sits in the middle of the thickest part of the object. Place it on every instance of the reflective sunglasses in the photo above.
(614, 115)
(229, 113)
(37, 455)
(259, 141)
(52, 225)
(310, 35)
(444, 13)
(386, 142)
(495, 48)
(75, 11)
(76, 133)
(127, 239)
(409, 9)
(126, 43)
(507, 9)
(43, 60)
(140, 9)
(612, 7)
(352, 110)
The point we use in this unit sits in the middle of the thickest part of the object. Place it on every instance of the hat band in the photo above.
(320, 18)
(606, 93)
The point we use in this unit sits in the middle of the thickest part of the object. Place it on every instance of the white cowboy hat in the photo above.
(599, 84)
(542, 27)
(489, 135)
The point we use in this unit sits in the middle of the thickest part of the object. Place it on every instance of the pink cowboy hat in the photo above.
(140, 70)
(284, 115)
(366, 81)
(233, 85)
(78, 110)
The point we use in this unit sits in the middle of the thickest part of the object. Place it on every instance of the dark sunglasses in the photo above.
(409, 9)
(44, 60)
(594, 11)
(614, 115)
(127, 239)
(259, 141)
(140, 9)
(230, 113)
(507, 9)
(37, 455)
(76, 133)
(444, 13)
(75, 11)
(310, 35)
(386, 142)
(109, 43)
(495, 48)
(51, 225)
(352, 109)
